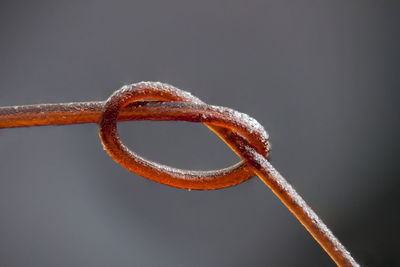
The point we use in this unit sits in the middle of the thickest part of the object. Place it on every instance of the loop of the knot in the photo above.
(235, 128)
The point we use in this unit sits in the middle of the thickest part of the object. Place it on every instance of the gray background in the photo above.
(323, 78)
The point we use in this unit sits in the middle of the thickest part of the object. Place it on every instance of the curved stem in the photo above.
(90, 112)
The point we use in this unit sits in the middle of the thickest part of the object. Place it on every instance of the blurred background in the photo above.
(323, 78)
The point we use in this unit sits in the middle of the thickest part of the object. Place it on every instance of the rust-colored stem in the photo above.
(242, 134)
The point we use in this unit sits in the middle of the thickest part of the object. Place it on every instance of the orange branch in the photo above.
(243, 134)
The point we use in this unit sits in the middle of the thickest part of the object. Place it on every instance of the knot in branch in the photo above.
(158, 101)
